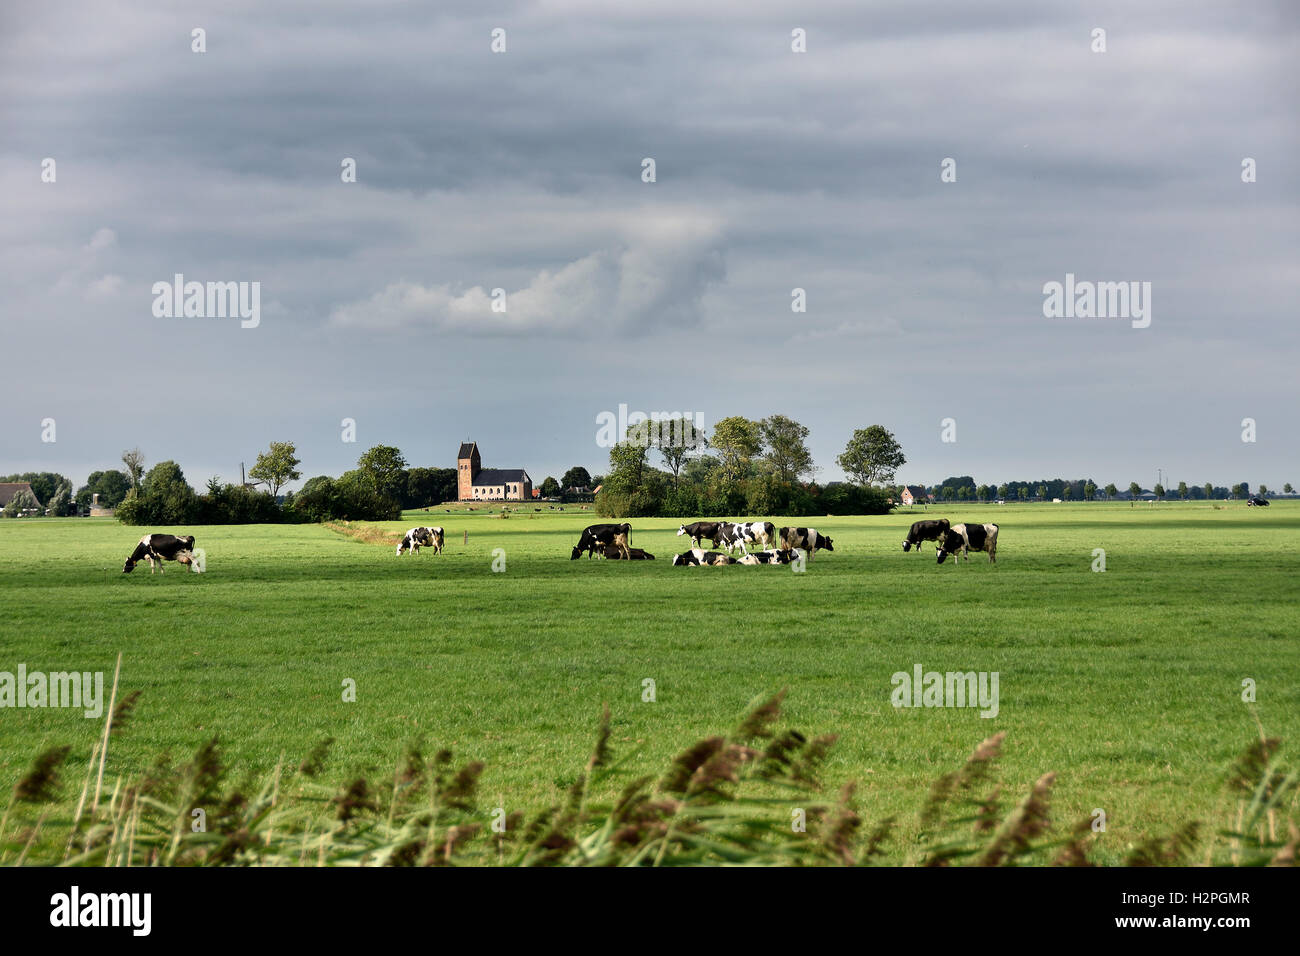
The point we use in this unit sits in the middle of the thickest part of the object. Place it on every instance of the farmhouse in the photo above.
(8, 489)
(476, 483)
(915, 495)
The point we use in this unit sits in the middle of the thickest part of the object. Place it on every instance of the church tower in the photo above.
(468, 465)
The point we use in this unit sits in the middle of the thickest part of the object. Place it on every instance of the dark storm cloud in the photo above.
(775, 170)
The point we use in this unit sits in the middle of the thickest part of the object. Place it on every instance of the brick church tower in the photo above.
(468, 465)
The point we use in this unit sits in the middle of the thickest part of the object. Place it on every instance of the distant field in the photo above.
(1126, 683)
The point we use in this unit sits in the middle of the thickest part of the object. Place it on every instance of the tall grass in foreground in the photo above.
(751, 797)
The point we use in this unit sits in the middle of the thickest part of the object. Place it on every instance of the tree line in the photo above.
(762, 467)
(964, 488)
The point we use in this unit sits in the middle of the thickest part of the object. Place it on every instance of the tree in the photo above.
(429, 486)
(24, 500)
(276, 466)
(576, 477)
(1182, 490)
(61, 504)
(1134, 489)
(1024, 492)
(1003, 490)
(1263, 490)
(737, 440)
(1287, 489)
(787, 449)
(550, 488)
(164, 498)
(1089, 491)
(1209, 491)
(111, 486)
(676, 438)
(134, 460)
(1066, 492)
(385, 469)
(1042, 492)
(1111, 490)
(872, 456)
(1160, 491)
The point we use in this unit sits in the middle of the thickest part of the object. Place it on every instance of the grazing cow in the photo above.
(418, 538)
(925, 531)
(614, 553)
(770, 556)
(806, 538)
(698, 530)
(160, 548)
(598, 536)
(963, 538)
(697, 557)
(1256, 502)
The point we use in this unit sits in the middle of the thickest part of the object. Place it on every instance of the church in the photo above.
(476, 483)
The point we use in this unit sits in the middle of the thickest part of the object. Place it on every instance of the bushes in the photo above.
(234, 504)
(324, 499)
(165, 498)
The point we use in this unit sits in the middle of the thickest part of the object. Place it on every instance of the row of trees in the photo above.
(964, 488)
(759, 467)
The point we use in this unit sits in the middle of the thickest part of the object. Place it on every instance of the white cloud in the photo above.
(103, 238)
(104, 287)
(654, 280)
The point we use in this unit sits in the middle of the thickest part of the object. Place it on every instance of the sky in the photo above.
(774, 170)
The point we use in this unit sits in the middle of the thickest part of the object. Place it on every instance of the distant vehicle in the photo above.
(1257, 501)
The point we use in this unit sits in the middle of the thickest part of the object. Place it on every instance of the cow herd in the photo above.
(613, 541)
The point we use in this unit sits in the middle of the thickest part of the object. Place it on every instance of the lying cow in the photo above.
(925, 531)
(418, 538)
(963, 538)
(697, 557)
(614, 553)
(806, 538)
(160, 548)
(770, 556)
(599, 536)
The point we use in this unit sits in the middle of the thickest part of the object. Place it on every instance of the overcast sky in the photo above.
(775, 170)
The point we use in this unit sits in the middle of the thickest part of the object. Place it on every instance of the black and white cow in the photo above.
(963, 538)
(614, 553)
(418, 538)
(807, 538)
(160, 548)
(698, 530)
(1256, 502)
(598, 536)
(730, 536)
(770, 556)
(756, 532)
(697, 557)
(925, 531)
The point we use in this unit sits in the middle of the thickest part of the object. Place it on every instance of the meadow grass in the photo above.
(1127, 684)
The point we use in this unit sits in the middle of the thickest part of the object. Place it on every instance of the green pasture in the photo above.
(1127, 683)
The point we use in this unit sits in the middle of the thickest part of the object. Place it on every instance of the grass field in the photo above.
(1126, 683)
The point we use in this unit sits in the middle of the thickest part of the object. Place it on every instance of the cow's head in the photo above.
(128, 567)
(907, 544)
(681, 531)
(825, 542)
(949, 543)
(577, 553)
(679, 560)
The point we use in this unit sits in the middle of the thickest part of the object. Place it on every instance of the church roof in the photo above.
(467, 450)
(500, 476)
